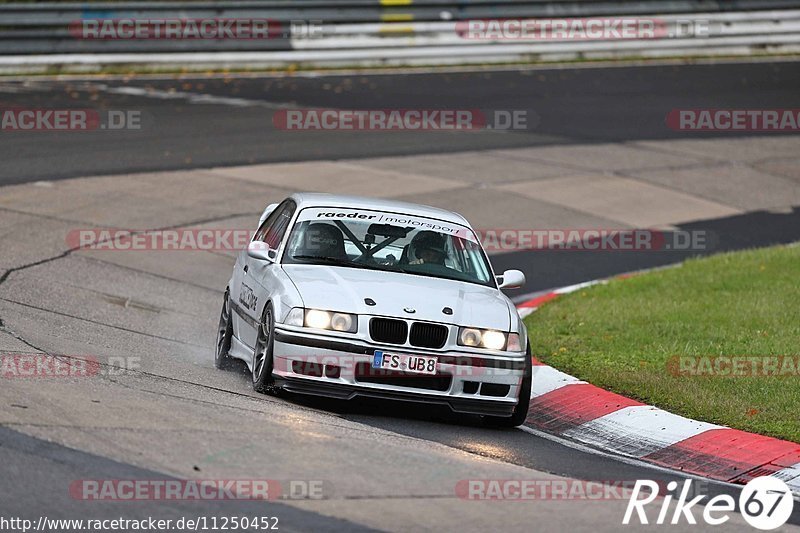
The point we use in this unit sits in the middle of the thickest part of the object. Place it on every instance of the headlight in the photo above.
(494, 340)
(342, 322)
(469, 337)
(318, 319)
(482, 338)
(314, 318)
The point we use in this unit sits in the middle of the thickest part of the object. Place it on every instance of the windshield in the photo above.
(359, 238)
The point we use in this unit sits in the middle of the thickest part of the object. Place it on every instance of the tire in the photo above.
(222, 360)
(262, 355)
(520, 413)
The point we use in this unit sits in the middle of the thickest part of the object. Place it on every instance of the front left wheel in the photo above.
(262, 355)
(224, 334)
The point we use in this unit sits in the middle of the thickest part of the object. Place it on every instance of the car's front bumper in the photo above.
(467, 383)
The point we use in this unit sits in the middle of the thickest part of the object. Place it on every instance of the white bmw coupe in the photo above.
(358, 297)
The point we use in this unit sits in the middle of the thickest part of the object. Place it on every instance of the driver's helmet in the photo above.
(427, 247)
(323, 240)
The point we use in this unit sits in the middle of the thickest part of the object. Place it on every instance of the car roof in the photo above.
(310, 199)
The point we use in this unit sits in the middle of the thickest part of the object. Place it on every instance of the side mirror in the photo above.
(511, 279)
(261, 251)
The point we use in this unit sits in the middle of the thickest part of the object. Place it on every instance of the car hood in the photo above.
(344, 289)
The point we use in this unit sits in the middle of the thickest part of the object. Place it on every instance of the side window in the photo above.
(274, 227)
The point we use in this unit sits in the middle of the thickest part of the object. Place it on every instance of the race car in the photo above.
(347, 297)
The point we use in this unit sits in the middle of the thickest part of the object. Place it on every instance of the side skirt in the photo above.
(240, 350)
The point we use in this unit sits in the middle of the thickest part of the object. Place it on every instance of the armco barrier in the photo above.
(388, 32)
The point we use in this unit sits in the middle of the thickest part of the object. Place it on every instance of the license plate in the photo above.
(418, 364)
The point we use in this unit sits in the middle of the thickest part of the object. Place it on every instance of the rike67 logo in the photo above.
(766, 503)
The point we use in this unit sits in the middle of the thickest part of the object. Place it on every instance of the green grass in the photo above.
(622, 335)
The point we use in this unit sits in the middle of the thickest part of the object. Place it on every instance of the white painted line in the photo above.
(528, 296)
(794, 485)
(791, 476)
(190, 97)
(638, 430)
(547, 379)
(578, 286)
(519, 300)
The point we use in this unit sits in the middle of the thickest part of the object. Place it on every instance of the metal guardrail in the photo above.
(388, 32)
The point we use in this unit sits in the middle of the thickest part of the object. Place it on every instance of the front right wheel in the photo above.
(224, 334)
(521, 409)
(262, 355)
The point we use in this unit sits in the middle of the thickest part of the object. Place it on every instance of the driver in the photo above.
(321, 240)
(427, 247)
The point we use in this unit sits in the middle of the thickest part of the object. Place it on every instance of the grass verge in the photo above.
(669, 338)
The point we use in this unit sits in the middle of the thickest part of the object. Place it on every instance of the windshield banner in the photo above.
(380, 217)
